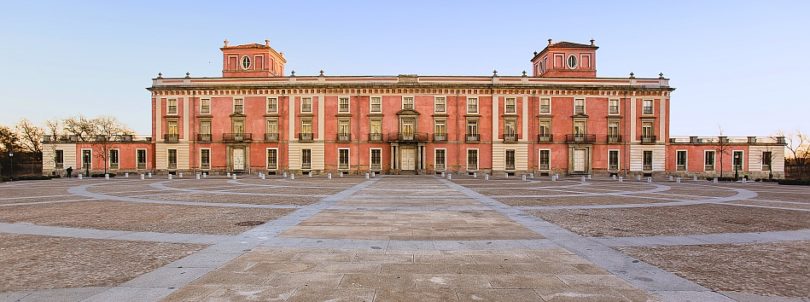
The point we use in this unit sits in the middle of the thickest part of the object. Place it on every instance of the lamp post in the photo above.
(736, 167)
(11, 157)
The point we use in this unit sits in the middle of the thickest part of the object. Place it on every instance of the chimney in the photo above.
(549, 42)
(267, 43)
(226, 43)
(592, 40)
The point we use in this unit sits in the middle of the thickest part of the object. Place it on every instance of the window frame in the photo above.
(618, 107)
(437, 100)
(477, 159)
(348, 104)
(644, 159)
(117, 158)
(238, 103)
(371, 104)
(412, 102)
(506, 105)
(714, 160)
(205, 103)
(169, 106)
(267, 159)
(540, 160)
(685, 160)
(145, 159)
(348, 159)
(644, 107)
(475, 100)
(301, 107)
(436, 159)
(618, 159)
(568, 61)
(584, 106)
(371, 159)
(271, 102)
(541, 106)
(202, 166)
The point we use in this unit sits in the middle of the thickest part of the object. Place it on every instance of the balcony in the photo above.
(343, 166)
(407, 137)
(648, 139)
(613, 167)
(171, 138)
(272, 165)
(237, 137)
(376, 166)
(141, 166)
(680, 168)
(543, 167)
(472, 138)
(510, 138)
(647, 167)
(344, 137)
(271, 137)
(439, 137)
(204, 138)
(305, 137)
(306, 166)
(375, 137)
(614, 139)
(545, 138)
(439, 167)
(580, 138)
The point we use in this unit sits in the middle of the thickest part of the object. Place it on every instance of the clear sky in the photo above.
(741, 65)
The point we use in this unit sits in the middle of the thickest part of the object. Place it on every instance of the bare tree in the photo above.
(80, 127)
(30, 137)
(722, 148)
(797, 145)
(54, 128)
(106, 130)
(9, 141)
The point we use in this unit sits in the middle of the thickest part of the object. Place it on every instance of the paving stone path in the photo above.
(388, 217)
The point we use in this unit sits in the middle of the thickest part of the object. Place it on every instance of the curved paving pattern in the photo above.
(413, 216)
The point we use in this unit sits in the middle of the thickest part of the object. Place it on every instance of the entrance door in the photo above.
(408, 159)
(238, 159)
(579, 160)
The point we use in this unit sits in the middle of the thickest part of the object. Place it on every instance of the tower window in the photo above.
(245, 62)
(572, 61)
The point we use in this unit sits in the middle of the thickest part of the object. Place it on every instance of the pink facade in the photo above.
(562, 119)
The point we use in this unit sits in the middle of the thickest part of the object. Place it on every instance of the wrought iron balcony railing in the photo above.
(439, 137)
(648, 139)
(237, 137)
(171, 138)
(510, 137)
(545, 138)
(407, 137)
(271, 137)
(580, 138)
(375, 137)
(305, 137)
(344, 137)
(204, 138)
(472, 138)
(614, 139)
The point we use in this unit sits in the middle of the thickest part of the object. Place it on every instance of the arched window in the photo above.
(245, 62)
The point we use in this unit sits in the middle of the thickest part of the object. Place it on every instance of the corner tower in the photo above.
(252, 61)
(565, 60)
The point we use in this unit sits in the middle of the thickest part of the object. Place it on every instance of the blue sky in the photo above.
(739, 65)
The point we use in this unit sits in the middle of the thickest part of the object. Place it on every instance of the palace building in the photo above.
(559, 118)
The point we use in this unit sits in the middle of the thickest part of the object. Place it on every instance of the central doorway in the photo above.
(579, 160)
(238, 157)
(408, 159)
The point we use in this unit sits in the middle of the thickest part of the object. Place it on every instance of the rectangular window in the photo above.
(407, 102)
(376, 159)
(647, 129)
(376, 104)
(613, 106)
(239, 106)
(680, 160)
(205, 127)
(648, 160)
(205, 159)
(272, 159)
(141, 158)
(545, 106)
(472, 105)
(114, 159)
(343, 159)
(472, 159)
(579, 128)
(172, 106)
(306, 126)
(306, 105)
(238, 126)
(87, 159)
(272, 105)
(172, 127)
(737, 157)
(343, 127)
(59, 159)
(510, 130)
(440, 159)
(375, 126)
(440, 127)
(613, 132)
(708, 163)
(647, 107)
(439, 104)
(766, 160)
(205, 106)
(613, 160)
(545, 128)
(545, 160)
(272, 126)
(510, 106)
(306, 159)
(343, 105)
(579, 106)
(472, 131)
(510, 160)
(172, 158)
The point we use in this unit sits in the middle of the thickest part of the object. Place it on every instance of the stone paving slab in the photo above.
(31, 229)
(722, 238)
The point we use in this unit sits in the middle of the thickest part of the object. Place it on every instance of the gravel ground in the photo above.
(235, 198)
(556, 201)
(44, 262)
(685, 220)
(142, 217)
(794, 197)
(774, 269)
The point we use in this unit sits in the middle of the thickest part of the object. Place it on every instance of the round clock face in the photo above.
(245, 62)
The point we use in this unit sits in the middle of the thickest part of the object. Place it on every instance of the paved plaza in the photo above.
(402, 238)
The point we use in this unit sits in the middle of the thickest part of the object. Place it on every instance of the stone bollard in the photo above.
(715, 180)
(368, 176)
(523, 177)
(309, 174)
(292, 176)
(671, 178)
(373, 174)
(329, 175)
(531, 175)
(341, 174)
(205, 175)
(106, 176)
(444, 174)
(197, 175)
(284, 174)
(745, 180)
(506, 175)
(449, 176)
(263, 176)
(180, 175)
(170, 176)
(143, 176)
(694, 177)
(554, 177)
(149, 175)
(475, 174)
(589, 177)
(81, 176)
(228, 174)
(233, 176)
(486, 176)
(678, 180)
(621, 179)
(582, 179)
(126, 175)
(649, 179)
(613, 176)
